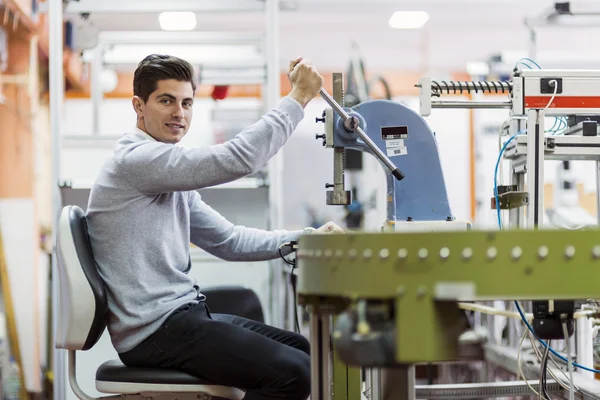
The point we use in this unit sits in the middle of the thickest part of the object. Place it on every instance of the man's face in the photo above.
(167, 114)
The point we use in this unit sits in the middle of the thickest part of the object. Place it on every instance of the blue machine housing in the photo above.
(421, 195)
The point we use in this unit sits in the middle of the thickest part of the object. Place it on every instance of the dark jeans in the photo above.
(267, 362)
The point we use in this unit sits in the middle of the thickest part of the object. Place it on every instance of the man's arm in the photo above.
(155, 167)
(213, 233)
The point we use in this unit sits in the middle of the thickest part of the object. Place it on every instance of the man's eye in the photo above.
(165, 101)
(187, 104)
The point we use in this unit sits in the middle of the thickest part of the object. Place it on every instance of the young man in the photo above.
(143, 213)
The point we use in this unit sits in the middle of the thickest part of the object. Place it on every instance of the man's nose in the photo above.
(178, 112)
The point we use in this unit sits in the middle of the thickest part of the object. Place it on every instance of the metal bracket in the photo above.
(510, 200)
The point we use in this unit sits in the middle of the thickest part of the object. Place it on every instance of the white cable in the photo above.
(511, 314)
(541, 114)
(492, 311)
(521, 375)
(570, 361)
(538, 353)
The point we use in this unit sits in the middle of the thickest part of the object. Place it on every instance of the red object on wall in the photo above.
(219, 92)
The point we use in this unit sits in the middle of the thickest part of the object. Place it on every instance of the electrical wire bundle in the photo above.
(292, 281)
(560, 123)
(548, 350)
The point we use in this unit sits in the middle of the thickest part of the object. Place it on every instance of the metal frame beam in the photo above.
(156, 6)
(56, 100)
(161, 37)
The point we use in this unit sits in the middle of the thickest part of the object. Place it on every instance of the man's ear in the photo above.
(138, 104)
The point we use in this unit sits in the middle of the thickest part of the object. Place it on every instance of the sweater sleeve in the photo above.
(155, 167)
(213, 233)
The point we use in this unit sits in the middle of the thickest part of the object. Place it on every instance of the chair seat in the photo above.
(114, 377)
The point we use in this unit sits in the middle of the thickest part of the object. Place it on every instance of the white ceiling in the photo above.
(458, 31)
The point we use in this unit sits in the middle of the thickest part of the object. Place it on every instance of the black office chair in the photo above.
(234, 300)
(82, 320)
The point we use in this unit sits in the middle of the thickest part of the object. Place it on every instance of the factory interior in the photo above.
(376, 199)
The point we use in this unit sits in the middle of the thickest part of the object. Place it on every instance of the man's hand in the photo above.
(330, 227)
(306, 81)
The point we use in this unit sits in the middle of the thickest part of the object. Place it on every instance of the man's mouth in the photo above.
(175, 126)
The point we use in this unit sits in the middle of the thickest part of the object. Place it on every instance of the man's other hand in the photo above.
(306, 81)
(330, 227)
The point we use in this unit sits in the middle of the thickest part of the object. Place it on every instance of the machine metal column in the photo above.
(56, 100)
(271, 97)
(398, 383)
(96, 88)
(320, 355)
(535, 169)
(598, 192)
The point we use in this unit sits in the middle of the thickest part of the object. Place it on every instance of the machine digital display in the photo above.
(394, 132)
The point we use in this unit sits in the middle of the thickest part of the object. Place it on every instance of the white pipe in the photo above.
(585, 346)
(271, 93)
(492, 311)
(55, 19)
(96, 88)
(513, 314)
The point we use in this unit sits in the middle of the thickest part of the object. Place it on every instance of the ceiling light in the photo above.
(177, 21)
(408, 19)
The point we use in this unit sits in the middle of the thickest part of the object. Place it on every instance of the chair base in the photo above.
(162, 391)
(161, 396)
(115, 378)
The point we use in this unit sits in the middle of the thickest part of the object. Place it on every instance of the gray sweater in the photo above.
(144, 211)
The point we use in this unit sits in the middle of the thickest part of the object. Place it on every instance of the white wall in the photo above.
(23, 275)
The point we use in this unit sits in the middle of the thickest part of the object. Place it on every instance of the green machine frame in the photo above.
(424, 275)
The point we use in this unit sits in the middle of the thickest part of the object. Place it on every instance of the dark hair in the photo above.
(158, 67)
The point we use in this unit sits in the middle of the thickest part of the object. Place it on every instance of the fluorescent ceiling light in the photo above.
(408, 19)
(177, 21)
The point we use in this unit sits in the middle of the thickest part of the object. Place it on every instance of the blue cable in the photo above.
(554, 129)
(563, 358)
(496, 176)
(550, 349)
(530, 60)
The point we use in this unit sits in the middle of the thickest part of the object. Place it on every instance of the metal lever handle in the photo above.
(344, 115)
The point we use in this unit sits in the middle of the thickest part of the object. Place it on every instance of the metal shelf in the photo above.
(156, 6)
(243, 183)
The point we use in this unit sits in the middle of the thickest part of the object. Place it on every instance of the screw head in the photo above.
(570, 252)
(402, 254)
(467, 253)
(543, 252)
(491, 253)
(596, 252)
(384, 254)
(516, 253)
(444, 253)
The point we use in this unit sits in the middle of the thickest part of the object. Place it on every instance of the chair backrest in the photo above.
(234, 300)
(83, 309)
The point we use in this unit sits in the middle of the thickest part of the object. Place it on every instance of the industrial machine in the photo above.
(385, 302)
